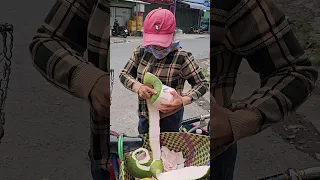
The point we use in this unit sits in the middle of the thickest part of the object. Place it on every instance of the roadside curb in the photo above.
(118, 41)
(140, 39)
(126, 40)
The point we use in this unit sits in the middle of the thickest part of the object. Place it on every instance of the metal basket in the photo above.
(195, 149)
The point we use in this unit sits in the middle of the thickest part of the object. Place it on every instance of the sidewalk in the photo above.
(114, 40)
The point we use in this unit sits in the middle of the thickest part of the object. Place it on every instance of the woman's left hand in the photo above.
(174, 105)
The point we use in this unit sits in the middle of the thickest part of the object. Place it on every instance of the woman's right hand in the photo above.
(145, 92)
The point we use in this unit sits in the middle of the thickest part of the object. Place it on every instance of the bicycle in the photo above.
(312, 173)
(189, 125)
(133, 143)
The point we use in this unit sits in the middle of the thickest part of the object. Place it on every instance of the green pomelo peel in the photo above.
(156, 168)
(139, 168)
(155, 82)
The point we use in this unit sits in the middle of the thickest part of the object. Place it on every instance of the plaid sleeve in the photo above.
(192, 73)
(224, 67)
(259, 32)
(218, 20)
(58, 47)
(129, 73)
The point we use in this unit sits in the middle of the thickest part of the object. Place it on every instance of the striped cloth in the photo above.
(70, 28)
(257, 30)
(174, 70)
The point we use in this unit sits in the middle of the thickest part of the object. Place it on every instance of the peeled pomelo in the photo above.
(154, 104)
(139, 168)
(186, 173)
(154, 131)
(163, 92)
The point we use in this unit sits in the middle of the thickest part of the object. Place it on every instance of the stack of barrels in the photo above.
(138, 19)
(132, 26)
(135, 24)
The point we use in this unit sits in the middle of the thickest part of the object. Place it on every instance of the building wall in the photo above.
(206, 15)
(196, 1)
(186, 17)
(122, 11)
(122, 4)
(149, 7)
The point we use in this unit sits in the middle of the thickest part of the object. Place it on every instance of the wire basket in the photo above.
(195, 149)
(6, 46)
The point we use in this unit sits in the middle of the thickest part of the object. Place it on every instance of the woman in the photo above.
(163, 57)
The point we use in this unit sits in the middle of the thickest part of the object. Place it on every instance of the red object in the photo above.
(159, 27)
(112, 175)
(114, 133)
(166, 2)
(140, 13)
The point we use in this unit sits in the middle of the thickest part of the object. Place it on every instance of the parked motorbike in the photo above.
(195, 29)
(119, 30)
(205, 27)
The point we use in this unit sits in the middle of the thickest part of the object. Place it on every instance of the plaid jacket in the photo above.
(257, 30)
(70, 28)
(179, 66)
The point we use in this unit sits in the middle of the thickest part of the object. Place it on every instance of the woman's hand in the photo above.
(145, 92)
(174, 105)
(220, 126)
(100, 96)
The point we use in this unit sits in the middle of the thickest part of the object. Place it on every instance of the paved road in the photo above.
(47, 130)
(269, 152)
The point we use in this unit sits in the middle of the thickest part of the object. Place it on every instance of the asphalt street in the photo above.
(270, 152)
(47, 130)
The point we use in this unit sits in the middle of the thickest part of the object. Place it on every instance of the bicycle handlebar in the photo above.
(195, 119)
(275, 177)
(191, 120)
(293, 174)
(310, 173)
